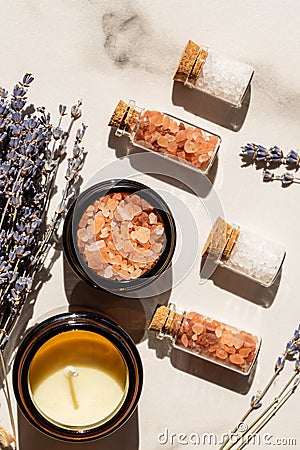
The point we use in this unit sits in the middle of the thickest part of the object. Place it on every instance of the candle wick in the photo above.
(70, 372)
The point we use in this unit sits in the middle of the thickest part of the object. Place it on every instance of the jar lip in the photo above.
(87, 321)
(95, 192)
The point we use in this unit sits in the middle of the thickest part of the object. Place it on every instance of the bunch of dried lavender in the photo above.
(239, 437)
(31, 150)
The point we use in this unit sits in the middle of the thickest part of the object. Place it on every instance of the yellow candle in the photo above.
(78, 379)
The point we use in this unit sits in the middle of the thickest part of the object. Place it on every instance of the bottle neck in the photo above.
(130, 120)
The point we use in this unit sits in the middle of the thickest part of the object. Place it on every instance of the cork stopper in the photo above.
(221, 240)
(125, 117)
(118, 114)
(198, 66)
(231, 242)
(162, 319)
(191, 63)
(186, 62)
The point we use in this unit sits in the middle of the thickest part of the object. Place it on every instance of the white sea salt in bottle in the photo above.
(214, 73)
(244, 252)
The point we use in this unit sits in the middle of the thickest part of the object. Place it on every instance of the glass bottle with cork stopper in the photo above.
(166, 135)
(212, 72)
(206, 338)
(244, 252)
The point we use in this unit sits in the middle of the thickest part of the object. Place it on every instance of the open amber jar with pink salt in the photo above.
(206, 338)
(166, 135)
(119, 235)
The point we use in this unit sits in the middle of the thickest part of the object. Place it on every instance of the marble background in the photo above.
(102, 51)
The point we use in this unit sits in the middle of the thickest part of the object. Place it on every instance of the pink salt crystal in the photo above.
(125, 213)
(127, 246)
(194, 337)
(142, 234)
(136, 210)
(162, 141)
(81, 233)
(173, 126)
(184, 340)
(137, 273)
(156, 118)
(108, 272)
(92, 247)
(198, 328)
(101, 243)
(203, 158)
(181, 135)
(145, 144)
(124, 230)
(218, 332)
(172, 147)
(155, 136)
(181, 155)
(170, 137)
(189, 147)
(83, 221)
(90, 208)
(238, 342)
(152, 218)
(159, 231)
(106, 212)
(157, 248)
(133, 235)
(104, 233)
(166, 122)
(94, 259)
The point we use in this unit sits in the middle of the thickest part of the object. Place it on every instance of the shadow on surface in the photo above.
(240, 285)
(126, 438)
(131, 313)
(164, 168)
(211, 108)
(201, 368)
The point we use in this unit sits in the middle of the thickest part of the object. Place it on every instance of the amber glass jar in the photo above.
(127, 250)
(77, 376)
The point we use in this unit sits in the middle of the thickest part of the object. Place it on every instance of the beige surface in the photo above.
(62, 43)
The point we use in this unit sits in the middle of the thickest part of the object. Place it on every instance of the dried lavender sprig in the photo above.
(265, 413)
(74, 167)
(291, 349)
(286, 178)
(277, 405)
(63, 138)
(273, 155)
(25, 158)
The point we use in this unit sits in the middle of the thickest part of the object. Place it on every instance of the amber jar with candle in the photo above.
(77, 376)
(206, 338)
(166, 135)
(214, 73)
(119, 235)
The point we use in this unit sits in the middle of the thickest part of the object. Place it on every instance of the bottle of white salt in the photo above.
(214, 73)
(244, 252)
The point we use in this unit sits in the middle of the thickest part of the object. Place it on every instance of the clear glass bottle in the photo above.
(214, 73)
(209, 339)
(244, 252)
(166, 135)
